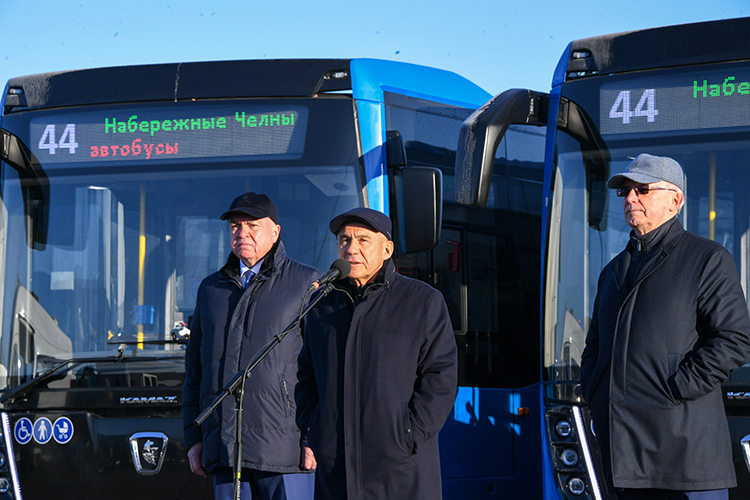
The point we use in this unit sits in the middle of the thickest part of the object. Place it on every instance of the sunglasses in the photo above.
(640, 191)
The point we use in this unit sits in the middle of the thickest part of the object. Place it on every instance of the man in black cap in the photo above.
(257, 293)
(670, 322)
(377, 373)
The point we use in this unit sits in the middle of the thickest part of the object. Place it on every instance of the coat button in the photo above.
(408, 431)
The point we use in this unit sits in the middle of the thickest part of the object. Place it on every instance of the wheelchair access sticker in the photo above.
(23, 431)
(42, 430)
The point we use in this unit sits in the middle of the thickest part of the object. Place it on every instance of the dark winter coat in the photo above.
(377, 379)
(229, 327)
(655, 356)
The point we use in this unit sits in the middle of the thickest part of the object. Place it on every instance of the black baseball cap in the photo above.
(256, 205)
(377, 221)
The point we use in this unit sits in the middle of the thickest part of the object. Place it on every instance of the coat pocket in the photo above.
(286, 398)
(311, 432)
(673, 364)
(407, 434)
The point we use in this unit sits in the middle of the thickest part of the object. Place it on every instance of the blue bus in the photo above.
(679, 91)
(112, 183)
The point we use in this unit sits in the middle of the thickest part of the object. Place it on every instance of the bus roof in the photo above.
(669, 46)
(194, 80)
(366, 78)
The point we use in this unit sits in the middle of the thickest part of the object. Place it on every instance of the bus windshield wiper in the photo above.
(180, 335)
(27, 386)
(123, 342)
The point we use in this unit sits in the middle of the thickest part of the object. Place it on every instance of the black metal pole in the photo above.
(237, 467)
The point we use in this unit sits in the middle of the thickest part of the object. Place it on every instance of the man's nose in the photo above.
(632, 196)
(244, 230)
(351, 248)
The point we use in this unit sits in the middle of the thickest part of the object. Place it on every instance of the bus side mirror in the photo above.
(34, 185)
(417, 199)
(12, 150)
(418, 207)
(481, 134)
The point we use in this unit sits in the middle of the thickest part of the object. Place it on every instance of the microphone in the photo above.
(339, 269)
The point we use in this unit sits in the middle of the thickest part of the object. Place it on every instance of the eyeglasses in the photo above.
(640, 190)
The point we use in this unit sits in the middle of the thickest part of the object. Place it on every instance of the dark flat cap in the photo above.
(377, 221)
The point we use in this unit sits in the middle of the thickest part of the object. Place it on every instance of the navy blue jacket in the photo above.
(656, 354)
(229, 327)
(377, 379)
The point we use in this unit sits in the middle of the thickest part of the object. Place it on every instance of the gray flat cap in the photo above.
(646, 169)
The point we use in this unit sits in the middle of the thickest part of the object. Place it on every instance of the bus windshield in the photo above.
(665, 113)
(108, 241)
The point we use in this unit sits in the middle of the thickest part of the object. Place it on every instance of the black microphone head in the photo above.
(343, 267)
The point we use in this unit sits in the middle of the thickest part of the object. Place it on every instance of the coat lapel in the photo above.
(620, 272)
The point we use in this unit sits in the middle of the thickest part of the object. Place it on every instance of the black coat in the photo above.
(229, 327)
(377, 379)
(655, 357)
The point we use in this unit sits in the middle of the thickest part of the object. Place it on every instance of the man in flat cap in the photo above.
(670, 322)
(377, 373)
(257, 293)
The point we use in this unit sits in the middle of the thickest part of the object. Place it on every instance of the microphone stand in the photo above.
(236, 387)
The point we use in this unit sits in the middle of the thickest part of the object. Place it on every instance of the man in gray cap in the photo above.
(257, 293)
(669, 324)
(377, 373)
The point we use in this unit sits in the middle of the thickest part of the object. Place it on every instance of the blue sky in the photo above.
(498, 44)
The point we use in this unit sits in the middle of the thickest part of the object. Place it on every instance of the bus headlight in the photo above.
(4, 485)
(563, 428)
(2, 459)
(569, 457)
(569, 452)
(576, 486)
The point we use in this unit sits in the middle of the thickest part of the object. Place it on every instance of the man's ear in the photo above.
(388, 250)
(677, 201)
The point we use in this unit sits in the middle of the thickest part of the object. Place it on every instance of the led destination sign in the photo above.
(150, 134)
(685, 101)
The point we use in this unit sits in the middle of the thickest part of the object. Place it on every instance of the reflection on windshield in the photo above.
(126, 252)
(716, 207)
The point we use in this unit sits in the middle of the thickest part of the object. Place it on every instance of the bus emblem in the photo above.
(148, 449)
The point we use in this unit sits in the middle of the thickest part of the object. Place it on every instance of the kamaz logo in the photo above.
(738, 395)
(147, 401)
